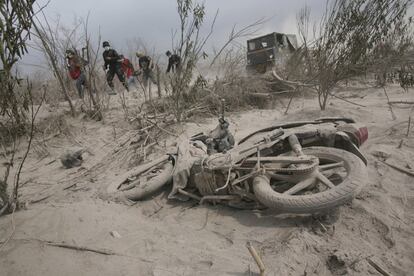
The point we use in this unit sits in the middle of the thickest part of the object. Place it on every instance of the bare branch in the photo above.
(237, 34)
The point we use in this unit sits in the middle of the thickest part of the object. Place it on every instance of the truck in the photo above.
(267, 51)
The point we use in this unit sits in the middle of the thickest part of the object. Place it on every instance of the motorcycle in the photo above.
(297, 167)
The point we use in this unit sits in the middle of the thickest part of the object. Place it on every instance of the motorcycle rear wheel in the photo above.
(296, 198)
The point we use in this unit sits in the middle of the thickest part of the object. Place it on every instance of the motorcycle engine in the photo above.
(208, 181)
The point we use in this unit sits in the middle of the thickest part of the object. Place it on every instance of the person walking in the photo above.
(174, 62)
(75, 66)
(112, 66)
(146, 68)
(128, 70)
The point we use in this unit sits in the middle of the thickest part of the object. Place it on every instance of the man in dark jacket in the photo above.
(174, 62)
(146, 66)
(112, 66)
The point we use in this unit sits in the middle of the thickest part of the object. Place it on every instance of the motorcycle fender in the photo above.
(343, 141)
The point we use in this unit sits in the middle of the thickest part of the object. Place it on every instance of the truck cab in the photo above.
(269, 50)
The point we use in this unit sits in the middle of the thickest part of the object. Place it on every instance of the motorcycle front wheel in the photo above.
(146, 183)
(338, 178)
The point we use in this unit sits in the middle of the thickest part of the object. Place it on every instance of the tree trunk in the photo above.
(324, 95)
(57, 73)
(91, 87)
(63, 87)
(159, 81)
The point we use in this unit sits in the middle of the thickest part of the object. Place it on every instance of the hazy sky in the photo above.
(152, 20)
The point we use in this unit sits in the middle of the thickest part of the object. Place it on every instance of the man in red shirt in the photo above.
(128, 70)
(75, 65)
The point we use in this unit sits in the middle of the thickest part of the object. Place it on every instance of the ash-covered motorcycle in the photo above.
(297, 167)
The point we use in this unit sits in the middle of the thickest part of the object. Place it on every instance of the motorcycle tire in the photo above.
(143, 190)
(320, 202)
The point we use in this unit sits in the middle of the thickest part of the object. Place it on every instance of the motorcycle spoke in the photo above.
(300, 186)
(330, 166)
(325, 180)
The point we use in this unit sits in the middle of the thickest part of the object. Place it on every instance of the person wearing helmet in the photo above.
(174, 62)
(75, 66)
(146, 66)
(112, 66)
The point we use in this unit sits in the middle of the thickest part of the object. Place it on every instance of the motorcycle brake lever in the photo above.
(276, 135)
